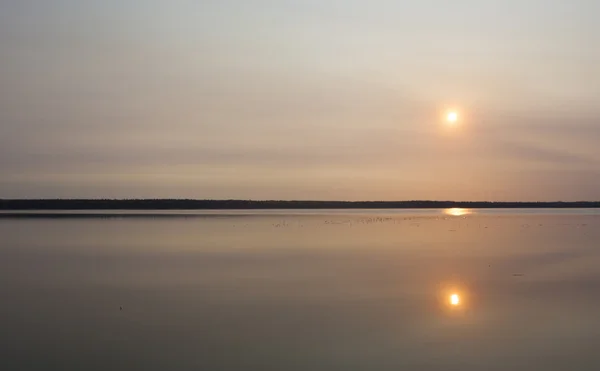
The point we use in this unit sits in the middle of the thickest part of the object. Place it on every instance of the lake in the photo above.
(301, 290)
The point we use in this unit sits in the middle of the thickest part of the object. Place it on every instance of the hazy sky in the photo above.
(300, 99)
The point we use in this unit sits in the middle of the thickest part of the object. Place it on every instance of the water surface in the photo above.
(301, 290)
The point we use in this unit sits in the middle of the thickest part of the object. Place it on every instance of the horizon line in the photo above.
(232, 204)
(281, 200)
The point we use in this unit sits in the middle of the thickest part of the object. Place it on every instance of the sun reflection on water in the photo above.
(457, 211)
(454, 299)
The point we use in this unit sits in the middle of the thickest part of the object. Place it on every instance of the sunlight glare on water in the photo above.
(457, 211)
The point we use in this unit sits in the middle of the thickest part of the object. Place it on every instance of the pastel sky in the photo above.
(300, 99)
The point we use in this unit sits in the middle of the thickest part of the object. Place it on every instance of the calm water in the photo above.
(326, 290)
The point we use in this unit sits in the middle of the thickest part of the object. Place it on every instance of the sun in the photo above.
(454, 300)
(452, 117)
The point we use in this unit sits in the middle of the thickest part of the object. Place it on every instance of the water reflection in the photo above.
(319, 295)
(454, 298)
(457, 211)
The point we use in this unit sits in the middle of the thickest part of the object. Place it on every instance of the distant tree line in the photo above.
(183, 204)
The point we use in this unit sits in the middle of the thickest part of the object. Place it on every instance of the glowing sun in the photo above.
(452, 117)
(454, 300)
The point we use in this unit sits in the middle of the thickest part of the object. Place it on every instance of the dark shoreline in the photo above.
(182, 204)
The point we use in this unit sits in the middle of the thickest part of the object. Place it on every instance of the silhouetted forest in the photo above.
(182, 204)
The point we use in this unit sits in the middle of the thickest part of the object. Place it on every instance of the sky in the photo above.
(300, 99)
